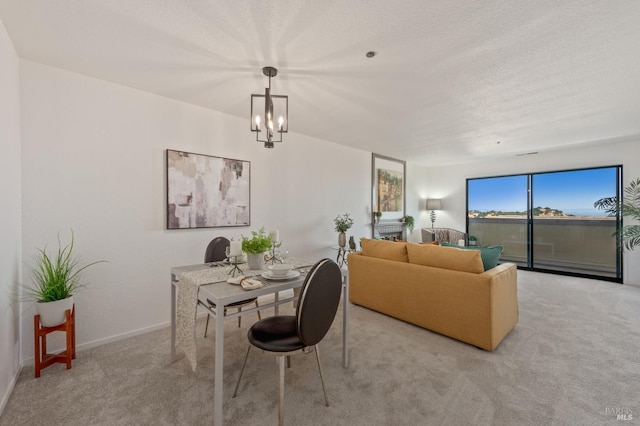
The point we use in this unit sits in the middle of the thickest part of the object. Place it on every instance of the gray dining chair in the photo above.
(286, 335)
(217, 251)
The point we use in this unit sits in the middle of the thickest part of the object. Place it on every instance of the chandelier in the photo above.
(264, 110)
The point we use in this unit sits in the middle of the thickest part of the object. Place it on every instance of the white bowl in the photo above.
(280, 269)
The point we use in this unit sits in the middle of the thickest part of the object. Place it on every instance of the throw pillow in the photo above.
(384, 249)
(490, 255)
(445, 257)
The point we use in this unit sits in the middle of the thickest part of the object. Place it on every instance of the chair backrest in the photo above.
(441, 235)
(216, 250)
(318, 301)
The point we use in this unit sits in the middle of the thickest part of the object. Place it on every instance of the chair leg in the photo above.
(240, 316)
(206, 326)
(281, 361)
(326, 400)
(244, 363)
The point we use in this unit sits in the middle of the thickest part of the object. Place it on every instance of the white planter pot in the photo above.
(255, 261)
(52, 313)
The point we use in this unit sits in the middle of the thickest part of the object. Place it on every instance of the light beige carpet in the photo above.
(572, 360)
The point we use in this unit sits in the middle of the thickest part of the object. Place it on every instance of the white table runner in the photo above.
(187, 285)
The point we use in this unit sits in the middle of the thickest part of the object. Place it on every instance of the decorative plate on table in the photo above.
(269, 275)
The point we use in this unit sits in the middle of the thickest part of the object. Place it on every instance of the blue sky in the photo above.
(572, 191)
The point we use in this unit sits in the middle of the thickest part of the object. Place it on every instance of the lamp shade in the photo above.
(433, 204)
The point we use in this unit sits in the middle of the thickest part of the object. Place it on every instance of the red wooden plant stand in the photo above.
(43, 359)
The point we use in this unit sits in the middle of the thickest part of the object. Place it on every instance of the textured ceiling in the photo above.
(451, 79)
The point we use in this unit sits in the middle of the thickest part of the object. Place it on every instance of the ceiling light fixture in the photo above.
(274, 106)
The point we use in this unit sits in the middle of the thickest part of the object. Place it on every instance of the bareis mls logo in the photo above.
(621, 413)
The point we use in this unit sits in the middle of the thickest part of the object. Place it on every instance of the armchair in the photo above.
(442, 235)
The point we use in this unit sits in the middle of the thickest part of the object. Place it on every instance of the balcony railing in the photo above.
(579, 245)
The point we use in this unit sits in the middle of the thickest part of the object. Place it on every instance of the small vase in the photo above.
(342, 239)
(53, 313)
(255, 261)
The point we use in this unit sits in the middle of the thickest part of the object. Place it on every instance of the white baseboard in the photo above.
(114, 338)
(7, 394)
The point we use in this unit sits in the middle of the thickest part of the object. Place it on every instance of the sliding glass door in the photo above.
(497, 214)
(547, 221)
(569, 234)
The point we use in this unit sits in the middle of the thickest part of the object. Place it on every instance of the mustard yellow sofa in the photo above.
(442, 289)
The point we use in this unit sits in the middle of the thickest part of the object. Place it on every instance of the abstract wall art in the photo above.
(204, 191)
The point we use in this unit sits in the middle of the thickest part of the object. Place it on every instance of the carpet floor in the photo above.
(573, 359)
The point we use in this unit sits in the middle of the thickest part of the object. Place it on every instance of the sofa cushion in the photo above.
(384, 249)
(445, 257)
(490, 255)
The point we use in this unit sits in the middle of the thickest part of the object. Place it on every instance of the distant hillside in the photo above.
(537, 212)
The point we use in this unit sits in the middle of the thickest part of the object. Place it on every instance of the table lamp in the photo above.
(433, 204)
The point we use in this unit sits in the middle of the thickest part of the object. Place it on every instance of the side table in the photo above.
(343, 252)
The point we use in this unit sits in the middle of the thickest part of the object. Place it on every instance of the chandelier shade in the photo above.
(269, 113)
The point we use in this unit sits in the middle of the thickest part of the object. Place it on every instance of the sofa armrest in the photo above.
(504, 300)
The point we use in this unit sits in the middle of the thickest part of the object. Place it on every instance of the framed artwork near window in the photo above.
(204, 191)
(388, 183)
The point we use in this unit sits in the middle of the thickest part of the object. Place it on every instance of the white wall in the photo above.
(449, 183)
(93, 160)
(417, 193)
(10, 225)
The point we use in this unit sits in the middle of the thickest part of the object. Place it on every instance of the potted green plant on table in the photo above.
(56, 279)
(255, 247)
(629, 235)
(343, 223)
(473, 241)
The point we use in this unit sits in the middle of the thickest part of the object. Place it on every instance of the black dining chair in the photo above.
(217, 251)
(287, 335)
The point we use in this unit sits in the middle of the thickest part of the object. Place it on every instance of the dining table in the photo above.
(209, 283)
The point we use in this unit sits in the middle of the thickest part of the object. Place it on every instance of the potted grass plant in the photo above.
(255, 247)
(56, 278)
